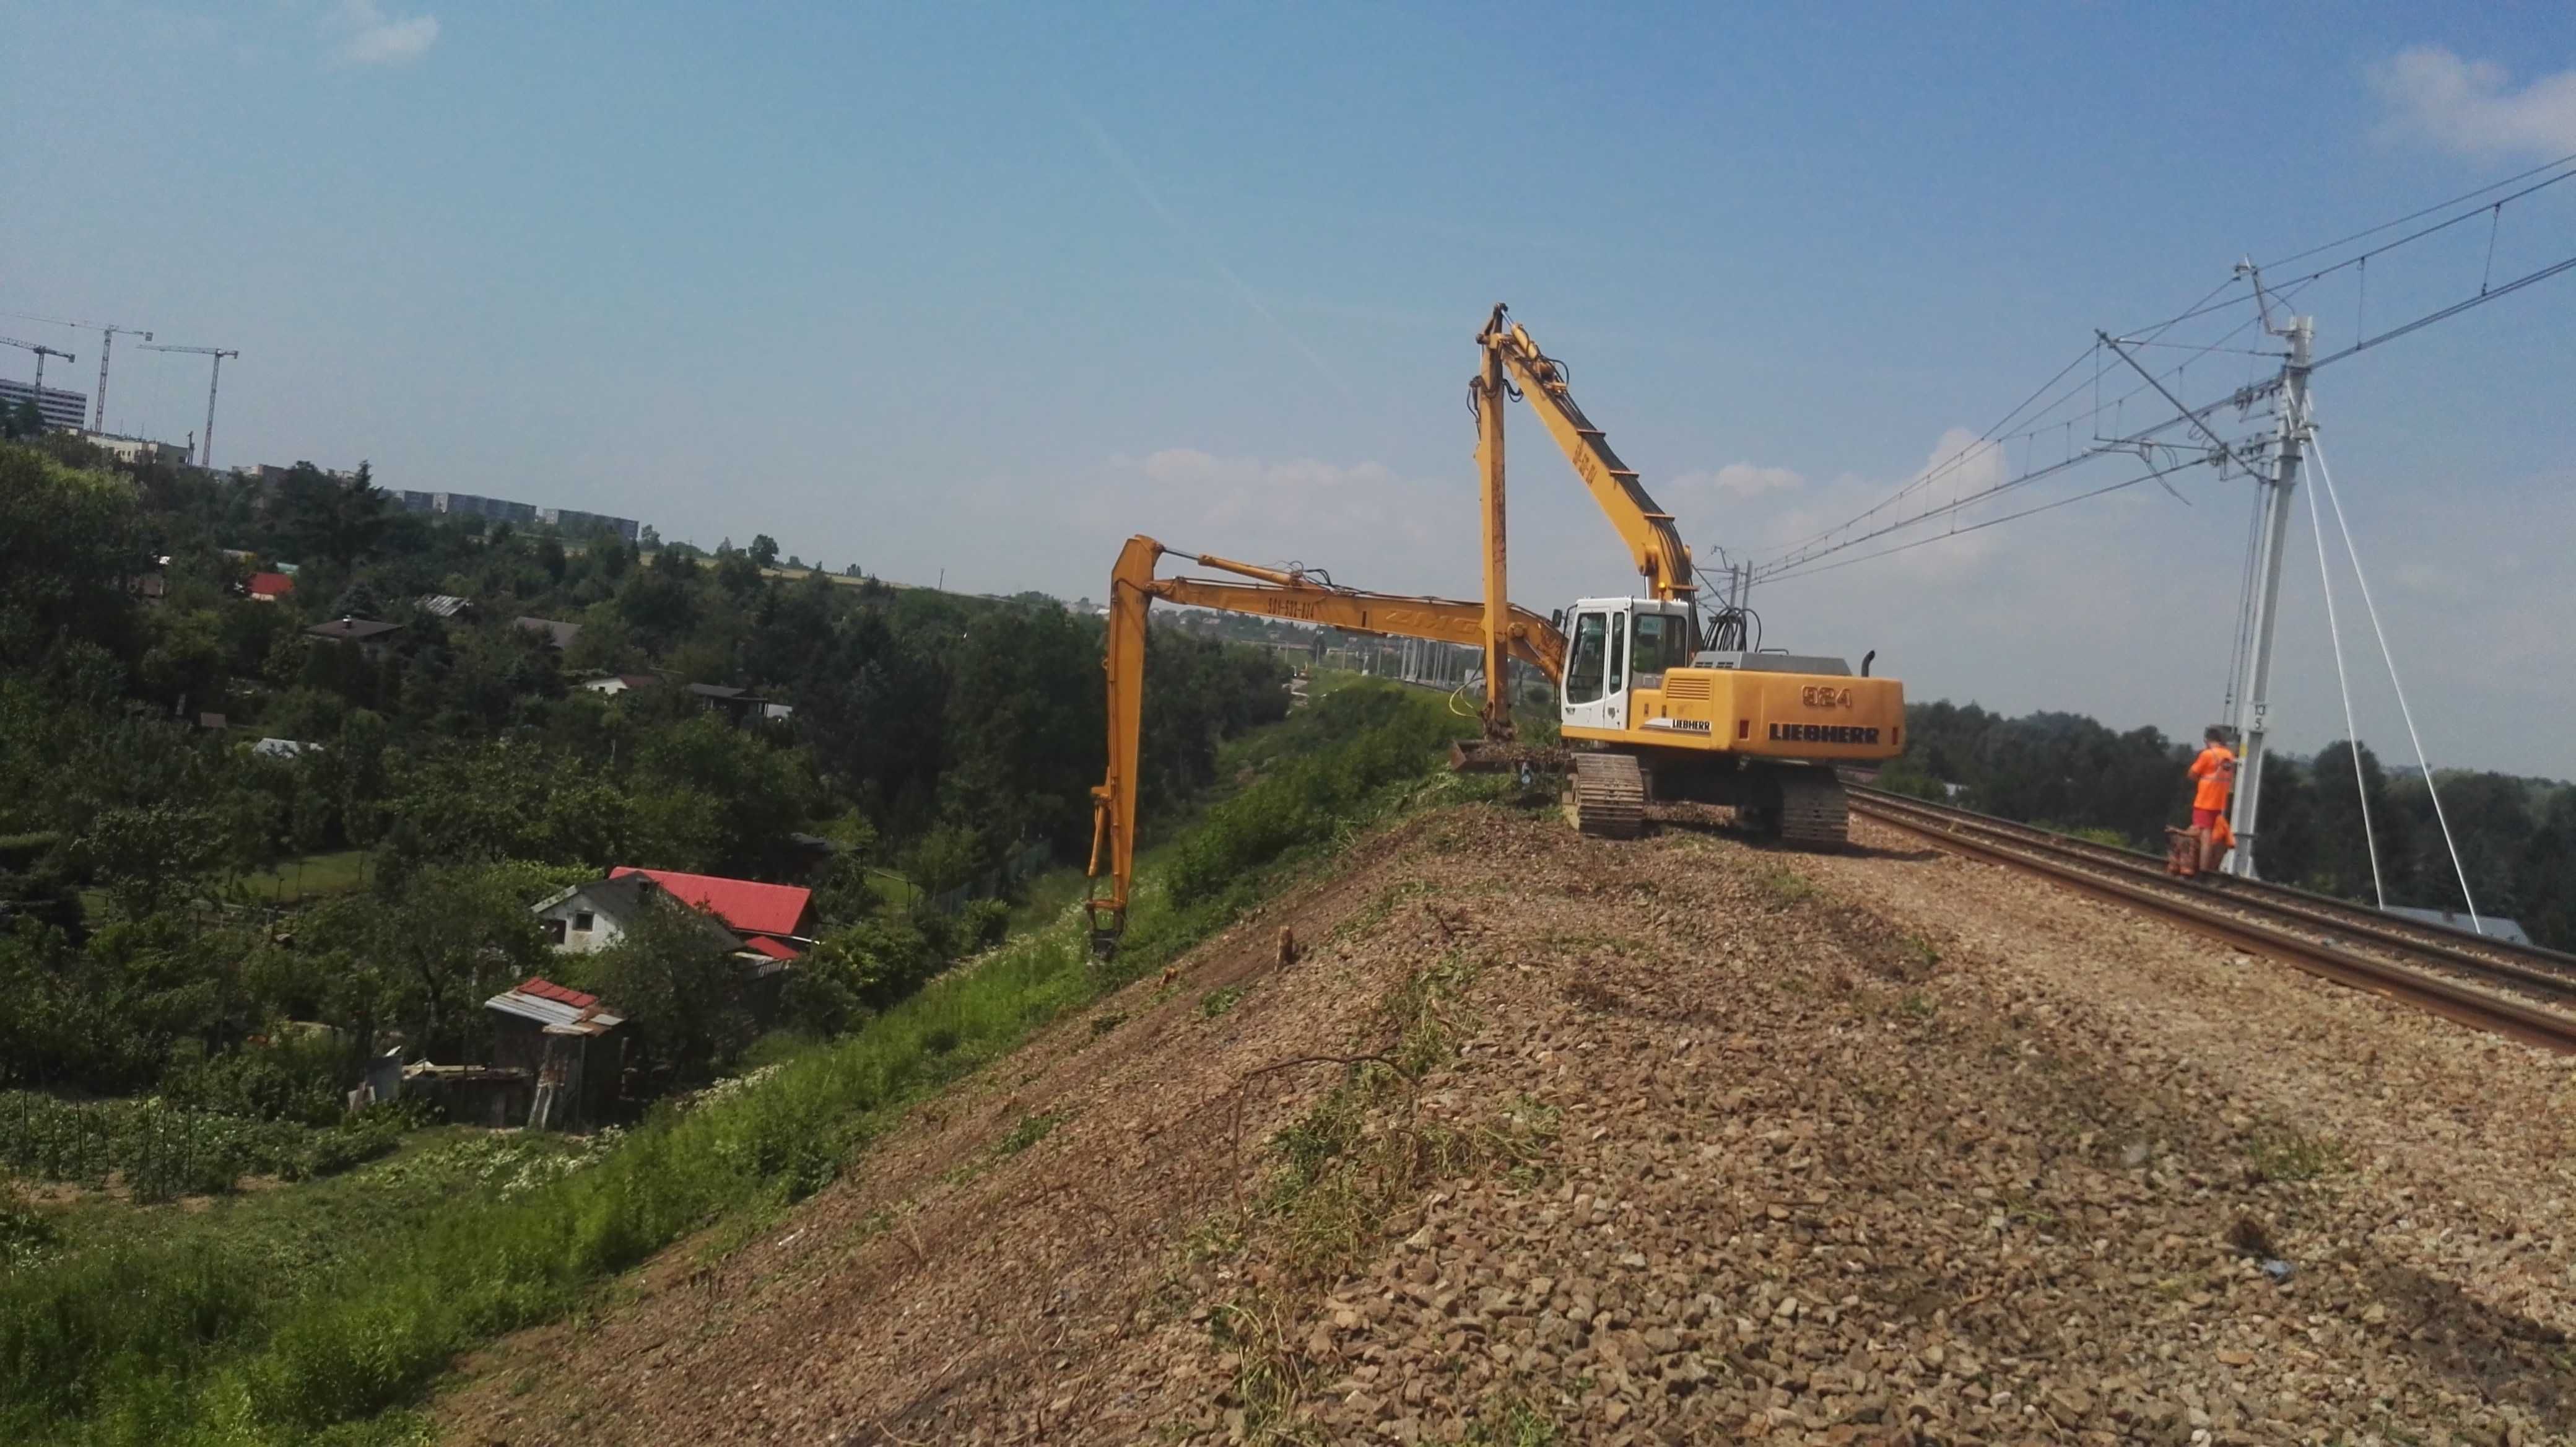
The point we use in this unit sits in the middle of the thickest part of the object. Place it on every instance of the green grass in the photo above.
(2280, 1153)
(1786, 885)
(892, 890)
(1046, 896)
(198, 1339)
(1031, 1130)
(311, 877)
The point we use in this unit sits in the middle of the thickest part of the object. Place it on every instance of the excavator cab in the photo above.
(1615, 646)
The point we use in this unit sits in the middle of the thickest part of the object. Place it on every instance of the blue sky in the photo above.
(983, 290)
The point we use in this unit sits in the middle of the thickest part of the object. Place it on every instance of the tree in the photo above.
(430, 952)
(66, 541)
(328, 519)
(2341, 862)
(764, 550)
(151, 856)
(672, 975)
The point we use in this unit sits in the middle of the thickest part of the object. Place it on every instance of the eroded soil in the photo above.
(1676, 1140)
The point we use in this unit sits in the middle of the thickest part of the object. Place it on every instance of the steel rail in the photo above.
(2485, 955)
(2423, 989)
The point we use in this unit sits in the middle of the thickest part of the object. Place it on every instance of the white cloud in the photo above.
(1740, 479)
(2470, 106)
(368, 36)
(1358, 518)
(2430, 580)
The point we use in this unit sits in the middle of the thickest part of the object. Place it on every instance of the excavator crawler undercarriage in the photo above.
(1608, 795)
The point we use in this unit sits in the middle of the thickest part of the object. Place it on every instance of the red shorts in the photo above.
(2204, 818)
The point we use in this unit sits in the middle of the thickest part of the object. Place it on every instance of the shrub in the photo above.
(178, 1341)
(1385, 736)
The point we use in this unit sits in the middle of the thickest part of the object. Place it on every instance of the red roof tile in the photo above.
(770, 947)
(271, 585)
(562, 994)
(746, 906)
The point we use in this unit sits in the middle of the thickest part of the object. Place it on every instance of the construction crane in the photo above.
(41, 352)
(207, 461)
(106, 344)
(107, 340)
(1656, 702)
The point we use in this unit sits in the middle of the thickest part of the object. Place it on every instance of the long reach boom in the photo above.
(1271, 592)
(1646, 528)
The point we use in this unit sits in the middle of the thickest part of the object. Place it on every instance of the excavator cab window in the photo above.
(1583, 662)
(1618, 654)
(1663, 641)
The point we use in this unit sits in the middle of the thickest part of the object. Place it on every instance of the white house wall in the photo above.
(604, 931)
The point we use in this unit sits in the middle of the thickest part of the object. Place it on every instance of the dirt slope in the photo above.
(1707, 1144)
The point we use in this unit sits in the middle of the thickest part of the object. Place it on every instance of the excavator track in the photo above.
(1609, 795)
(1813, 814)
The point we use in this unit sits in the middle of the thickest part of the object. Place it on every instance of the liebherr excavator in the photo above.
(1656, 702)
(1671, 709)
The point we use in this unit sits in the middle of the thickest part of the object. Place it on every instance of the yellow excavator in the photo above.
(1656, 701)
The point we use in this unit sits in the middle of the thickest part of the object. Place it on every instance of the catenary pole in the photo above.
(2253, 721)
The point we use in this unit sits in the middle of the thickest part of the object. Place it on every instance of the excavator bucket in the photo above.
(1487, 756)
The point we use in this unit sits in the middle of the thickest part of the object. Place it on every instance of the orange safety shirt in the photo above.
(2216, 770)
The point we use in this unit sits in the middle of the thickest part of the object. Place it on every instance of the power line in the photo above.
(1804, 550)
(2569, 158)
(1796, 558)
(2493, 208)
(2149, 476)
(2448, 312)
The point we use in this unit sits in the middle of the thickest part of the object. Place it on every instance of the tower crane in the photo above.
(41, 352)
(207, 461)
(106, 345)
(107, 340)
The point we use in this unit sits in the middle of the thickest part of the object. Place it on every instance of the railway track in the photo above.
(2520, 991)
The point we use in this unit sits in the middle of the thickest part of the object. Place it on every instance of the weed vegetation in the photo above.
(156, 1150)
(191, 1340)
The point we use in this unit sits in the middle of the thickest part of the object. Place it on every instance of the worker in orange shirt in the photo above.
(2216, 771)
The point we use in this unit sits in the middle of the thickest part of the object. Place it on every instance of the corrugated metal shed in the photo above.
(441, 605)
(558, 1009)
(561, 635)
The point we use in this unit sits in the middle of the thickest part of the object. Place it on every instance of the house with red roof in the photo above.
(269, 587)
(769, 924)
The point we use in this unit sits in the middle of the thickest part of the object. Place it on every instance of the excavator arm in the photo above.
(1274, 593)
(1646, 528)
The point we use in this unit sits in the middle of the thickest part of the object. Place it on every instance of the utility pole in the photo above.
(98, 405)
(2253, 723)
(218, 353)
(41, 352)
